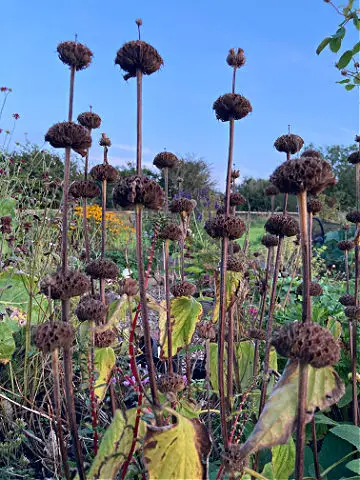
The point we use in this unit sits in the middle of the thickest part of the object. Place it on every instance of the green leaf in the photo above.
(346, 80)
(233, 280)
(283, 459)
(7, 207)
(104, 362)
(340, 33)
(349, 87)
(356, 21)
(350, 433)
(278, 419)
(7, 343)
(322, 45)
(354, 466)
(335, 44)
(335, 327)
(177, 451)
(345, 59)
(323, 419)
(115, 445)
(274, 366)
(245, 361)
(185, 313)
(187, 408)
(356, 48)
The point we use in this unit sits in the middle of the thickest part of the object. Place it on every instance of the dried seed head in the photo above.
(235, 247)
(235, 174)
(104, 141)
(138, 55)
(311, 153)
(138, 22)
(103, 172)
(225, 226)
(129, 287)
(207, 331)
(314, 206)
(231, 106)
(108, 298)
(63, 286)
(171, 383)
(183, 289)
(354, 158)
(347, 300)
(233, 460)
(282, 225)
(236, 263)
(75, 55)
(353, 217)
(271, 190)
(52, 335)
(257, 334)
(165, 160)
(69, 135)
(304, 174)
(171, 231)
(137, 189)
(89, 120)
(236, 199)
(308, 343)
(269, 240)
(91, 309)
(182, 205)
(236, 59)
(5, 224)
(289, 143)
(102, 268)
(345, 245)
(105, 338)
(84, 189)
(352, 312)
(315, 289)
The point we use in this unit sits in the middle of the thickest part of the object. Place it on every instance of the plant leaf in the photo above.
(177, 451)
(104, 362)
(7, 343)
(322, 45)
(335, 327)
(356, 48)
(345, 59)
(350, 433)
(278, 419)
(335, 44)
(283, 459)
(349, 87)
(354, 466)
(323, 419)
(233, 281)
(185, 313)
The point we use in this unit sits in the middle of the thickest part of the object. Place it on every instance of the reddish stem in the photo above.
(134, 440)
(93, 402)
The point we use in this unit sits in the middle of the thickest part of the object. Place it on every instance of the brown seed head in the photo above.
(104, 141)
(311, 153)
(63, 286)
(257, 334)
(105, 338)
(137, 189)
(289, 143)
(235, 174)
(269, 240)
(102, 268)
(271, 190)
(75, 55)
(347, 300)
(233, 460)
(282, 225)
(353, 217)
(183, 289)
(315, 289)
(314, 206)
(207, 331)
(225, 226)
(182, 205)
(69, 135)
(129, 287)
(345, 245)
(171, 231)
(84, 189)
(231, 106)
(235, 58)
(235, 247)
(352, 312)
(52, 335)
(236, 199)
(91, 309)
(89, 120)
(104, 171)
(171, 383)
(354, 157)
(138, 55)
(5, 224)
(236, 263)
(165, 160)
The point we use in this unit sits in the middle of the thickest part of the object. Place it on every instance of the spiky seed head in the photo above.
(183, 289)
(315, 289)
(271, 191)
(289, 143)
(182, 205)
(165, 160)
(354, 158)
(129, 287)
(75, 55)
(69, 135)
(137, 189)
(52, 335)
(104, 141)
(138, 55)
(234, 461)
(353, 217)
(352, 312)
(89, 120)
(138, 22)
(225, 226)
(314, 206)
(311, 153)
(345, 245)
(104, 171)
(102, 268)
(63, 286)
(235, 174)
(257, 334)
(91, 309)
(269, 240)
(171, 231)
(84, 189)
(207, 331)
(236, 199)
(282, 225)
(104, 338)
(171, 383)
(231, 106)
(236, 263)
(236, 58)
(347, 300)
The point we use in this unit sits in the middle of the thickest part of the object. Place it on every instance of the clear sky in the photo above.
(283, 78)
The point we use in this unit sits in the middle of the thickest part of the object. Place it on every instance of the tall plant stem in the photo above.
(354, 372)
(168, 307)
(71, 93)
(347, 274)
(306, 318)
(139, 121)
(57, 402)
(166, 181)
(91, 369)
(269, 262)
(103, 235)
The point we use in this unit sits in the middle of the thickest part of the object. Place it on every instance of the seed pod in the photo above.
(129, 287)
(137, 189)
(91, 309)
(233, 460)
(289, 143)
(104, 141)
(352, 312)
(308, 343)
(69, 135)
(103, 172)
(171, 231)
(353, 217)
(182, 205)
(52, 335)
(271, 190)
(304, 174)
(183, 289)
(269, 240)
(165, 160)
(354, 158)
(108, 298)
(282, 225)
(314, 206)
(231, 106)
(311, 153)
(345, 245)
(235, 174)
(84, 189)
(235, 263)
(236, 199)
(171, 383)
(138, 55)
(75, 55)
(89, 120)
(315, 289)
(63, 286)
(105, 338)
(257, 334)
(102, 268)
(225, 226)
(207, 331)
(236, 59)
(347, 300)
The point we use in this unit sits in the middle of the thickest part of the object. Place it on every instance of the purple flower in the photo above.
(129, 382)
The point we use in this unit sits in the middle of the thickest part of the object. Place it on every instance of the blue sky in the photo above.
(284, 79)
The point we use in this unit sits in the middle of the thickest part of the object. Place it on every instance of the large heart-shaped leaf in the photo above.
(104, 361)
(176, 451)
(185, 313)
(278, 419)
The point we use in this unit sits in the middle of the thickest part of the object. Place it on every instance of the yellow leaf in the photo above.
(104, 363)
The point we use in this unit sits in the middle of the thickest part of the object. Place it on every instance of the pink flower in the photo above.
(253, 311)
(16, 116)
